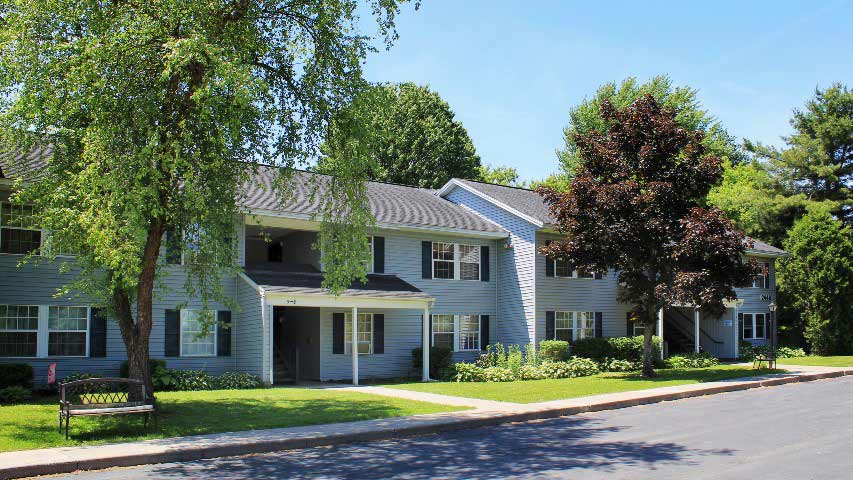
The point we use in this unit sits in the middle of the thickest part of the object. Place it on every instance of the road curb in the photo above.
(477, 419)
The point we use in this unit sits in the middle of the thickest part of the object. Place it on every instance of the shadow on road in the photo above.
(570, 445)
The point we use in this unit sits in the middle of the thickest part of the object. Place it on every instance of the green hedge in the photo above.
(440, 361)
(614, 348)
(554, 350)
(16, 375)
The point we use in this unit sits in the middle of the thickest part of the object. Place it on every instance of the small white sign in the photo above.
(727, 323)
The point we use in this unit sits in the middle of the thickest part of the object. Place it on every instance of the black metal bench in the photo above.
(103, 396)
(769, 358)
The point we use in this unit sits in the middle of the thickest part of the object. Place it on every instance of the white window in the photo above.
(442, 331)
(370, 246)
(443, 260)
(19, 330)
(19, 232)
(469, 262)
(754, 326)
(570, 326)
(67, 331)
(562, 268)
(195, 342)
(364, 333)
(469, 332)
(760, 280)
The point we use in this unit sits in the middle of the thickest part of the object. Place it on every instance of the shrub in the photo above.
(594, 348)
(631, 348)
(440, 361)
(494, 356)
(188, 380)
(78, 376)
(514, 359)
(747, 351)
(692, 360)
(468, 372)
(574, 367)
(619, 365)
(16, 375)
(789, 352)
(531, 372)
(14, 394)
(553, 350)
(237, 381)
(162, 378)
(498, 374)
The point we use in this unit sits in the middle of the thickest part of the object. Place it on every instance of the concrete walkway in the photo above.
(68, 459)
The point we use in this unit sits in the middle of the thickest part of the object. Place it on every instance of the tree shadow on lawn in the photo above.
(202, 416)
(577, 445)
(700, 375)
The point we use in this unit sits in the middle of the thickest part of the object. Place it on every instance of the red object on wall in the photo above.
(51, 373)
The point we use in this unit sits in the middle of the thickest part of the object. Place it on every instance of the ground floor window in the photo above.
(571, 326)
(68, 331)
(457, 332)
(754, 326)
(196, 340)
(19, 330)
(364, 333)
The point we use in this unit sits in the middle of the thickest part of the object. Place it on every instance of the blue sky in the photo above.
(512, 70)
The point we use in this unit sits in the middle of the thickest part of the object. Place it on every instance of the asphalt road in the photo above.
(799, 431)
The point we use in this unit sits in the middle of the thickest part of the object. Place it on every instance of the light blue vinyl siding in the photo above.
(516, 282)
(249, 334)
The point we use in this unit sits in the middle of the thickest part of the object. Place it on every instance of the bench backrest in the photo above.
(102, 393)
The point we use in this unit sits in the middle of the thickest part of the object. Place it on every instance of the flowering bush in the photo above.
(574, 367)
(498, 374)
(531, 372)
(237, 381)
(747, 351)
(188, 380)
(692, 360)
(618, 365)
(468, 372)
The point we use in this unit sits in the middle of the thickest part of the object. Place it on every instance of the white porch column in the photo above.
(425, 345)
(696, 329)
(660, 332)
(354, 349)
(736, 329)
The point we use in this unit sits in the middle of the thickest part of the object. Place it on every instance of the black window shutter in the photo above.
(629, 324)
(766, 275)
(599, 276)
(378, 333)
(426, 259)
(223, 333)
(549, 266)
(338, 333)
(172, 346)
(549, 325)
(378, 254)
(484, 263)
(484, 331)
(97, 333)
(173, 247)
(740, 324)
(599, 324)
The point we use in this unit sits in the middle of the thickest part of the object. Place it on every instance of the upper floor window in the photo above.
(455, 261)
(754, 326)
(370, 260)
(762, 280)
(19, 232)
(571, 326)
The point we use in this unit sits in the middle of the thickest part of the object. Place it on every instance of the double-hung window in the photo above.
(571, 326)
(455, 261)
(754, 326)
(458, 332)
(760, 280)
(67, 331)
(19, 330)
(443, 331)
(196, 340)
(563, 268)
(364, 333)
(370, 247)
(19, 233)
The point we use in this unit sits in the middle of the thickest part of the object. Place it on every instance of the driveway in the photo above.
(797, 431)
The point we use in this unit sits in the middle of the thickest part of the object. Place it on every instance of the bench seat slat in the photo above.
(110, 410)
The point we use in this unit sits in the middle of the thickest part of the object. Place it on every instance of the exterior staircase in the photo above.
(285, 366)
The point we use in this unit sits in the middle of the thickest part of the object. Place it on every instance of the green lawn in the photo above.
(34, 425)
(530, 391)
(818, 361)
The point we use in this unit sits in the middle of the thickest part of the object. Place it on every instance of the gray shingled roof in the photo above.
(391, 204)
(16, 164)
(532, 204)
(386, 286)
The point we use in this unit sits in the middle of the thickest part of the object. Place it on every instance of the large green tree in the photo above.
(501, 175)
(586, 118)
(635, 206)
(816, 283)
(817, 161)
(157, 111)
(416, 138)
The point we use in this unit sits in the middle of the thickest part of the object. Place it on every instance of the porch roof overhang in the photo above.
(305, 289)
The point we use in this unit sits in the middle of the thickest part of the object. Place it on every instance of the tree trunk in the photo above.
(648, 351)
